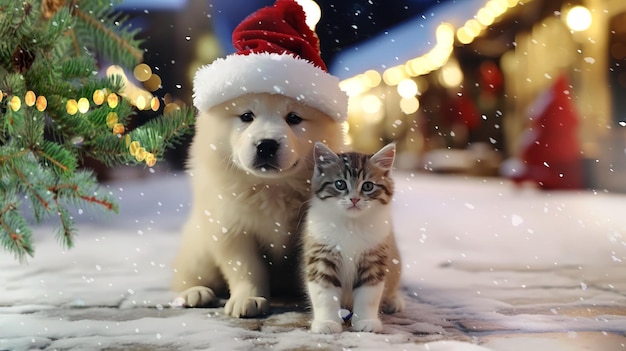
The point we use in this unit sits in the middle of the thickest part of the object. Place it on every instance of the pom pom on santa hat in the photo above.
(277, 53)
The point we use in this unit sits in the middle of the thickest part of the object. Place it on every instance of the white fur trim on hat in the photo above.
(237, 75)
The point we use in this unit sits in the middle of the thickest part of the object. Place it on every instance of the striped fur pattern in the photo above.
(351, 259)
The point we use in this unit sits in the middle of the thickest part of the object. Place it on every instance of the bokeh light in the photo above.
(112, 119)
(407, 88)
(71, 106)
(15, 103)
(578, 18)
(142, 72)
(30, 98)
(98, 97)
(41, 103)
(83, 105)
(113, 100)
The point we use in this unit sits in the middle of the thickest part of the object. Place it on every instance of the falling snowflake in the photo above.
(516, 220)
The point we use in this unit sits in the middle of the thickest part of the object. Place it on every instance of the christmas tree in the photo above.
(56, 110)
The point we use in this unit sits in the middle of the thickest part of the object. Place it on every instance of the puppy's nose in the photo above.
(266, 149)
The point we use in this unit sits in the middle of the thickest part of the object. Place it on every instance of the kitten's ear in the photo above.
(384, 157)
(323, 155)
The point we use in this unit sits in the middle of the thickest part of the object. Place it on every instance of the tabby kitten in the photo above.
(351, 259)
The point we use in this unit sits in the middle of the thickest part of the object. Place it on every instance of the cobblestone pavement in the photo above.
(486, 267)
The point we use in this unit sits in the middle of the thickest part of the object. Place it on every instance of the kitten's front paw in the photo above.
(367, 325)
(392, 305)
(325, 327)
(197, 296)
(247, 307)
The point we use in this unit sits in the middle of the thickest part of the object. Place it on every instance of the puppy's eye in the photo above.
(247, 117)
(340, 185)
(293, 119)
(367, 187)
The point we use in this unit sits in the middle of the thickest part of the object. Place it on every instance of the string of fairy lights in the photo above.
(139, 97)
(406, 76)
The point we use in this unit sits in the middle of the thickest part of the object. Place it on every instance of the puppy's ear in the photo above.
(322, 155)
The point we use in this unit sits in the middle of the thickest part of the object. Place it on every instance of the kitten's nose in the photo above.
(355, 200)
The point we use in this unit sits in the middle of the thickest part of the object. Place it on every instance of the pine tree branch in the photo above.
(29, 186)
(17, 154)
(52, 52)
(17, 239)
(18, 243)
(137, 54)
(56, 189)
(52, 160)
(66, 231)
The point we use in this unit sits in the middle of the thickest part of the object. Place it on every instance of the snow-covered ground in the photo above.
(487, 267)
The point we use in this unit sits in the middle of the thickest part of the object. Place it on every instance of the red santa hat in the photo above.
(277, 53)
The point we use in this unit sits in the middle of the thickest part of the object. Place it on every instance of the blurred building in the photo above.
(459, 85)
(460, 93)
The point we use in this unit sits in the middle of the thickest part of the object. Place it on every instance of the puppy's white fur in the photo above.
(241, 234)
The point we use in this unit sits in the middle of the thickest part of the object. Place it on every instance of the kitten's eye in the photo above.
(247, 117)
(293, 119)
(340, 185)
(367, 186)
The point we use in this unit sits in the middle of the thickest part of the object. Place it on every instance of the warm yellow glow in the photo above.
(409, 105)
(15, 103)
(438, 57)
(497, 6)
(118, 128)
(464, 36)
(392, 76)
(371, 104)
(155, 104)
(30, 98)
(83, 105)
(141, 102)
(445, 34)
(312, 11)
(141, 154)
(418, 66)
(98, 97)
(153, 83)
(578, 18)
(133, 147)
(171, 107)
(112, 119)
(113, 100)
(71, 106)
(352, 86)
(371, 78)
(451, 75)
(142, 72)
(473, 27)
(131, 90)
(407, 88)
(511, 3)
(150, 159)
(41, 103)
(485, 16)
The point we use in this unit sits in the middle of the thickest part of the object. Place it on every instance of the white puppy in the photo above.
(250, 166)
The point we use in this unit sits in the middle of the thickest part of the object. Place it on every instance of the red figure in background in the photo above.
(551, 154)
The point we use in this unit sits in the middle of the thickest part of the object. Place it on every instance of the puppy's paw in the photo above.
(325, 327)
(367, 325)
(392, 304)
(197, 296)
(246, 307)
